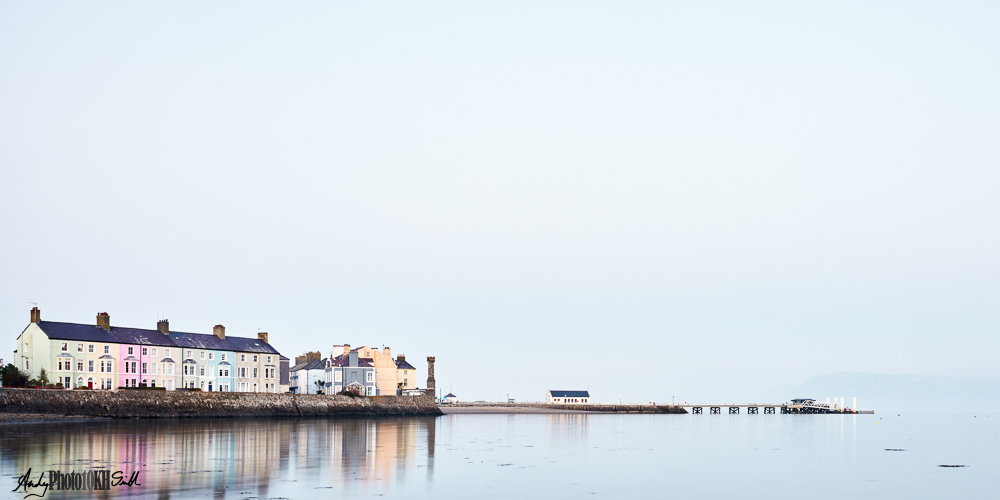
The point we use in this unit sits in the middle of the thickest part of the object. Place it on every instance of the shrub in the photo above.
(10, 376)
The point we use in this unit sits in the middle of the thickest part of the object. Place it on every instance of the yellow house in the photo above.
(406, 374)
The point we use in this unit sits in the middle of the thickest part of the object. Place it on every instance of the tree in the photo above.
(320, 385)
(43, 377)
(12, 377)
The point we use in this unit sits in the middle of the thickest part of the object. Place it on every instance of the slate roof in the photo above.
(570, 394)
(140, 336)
(450, 395)
(200, 341)
(342, 361)
(404, 365)
(74, 331)
(250, 345)
(316, 364)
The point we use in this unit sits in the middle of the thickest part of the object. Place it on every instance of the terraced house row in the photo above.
(101, 356)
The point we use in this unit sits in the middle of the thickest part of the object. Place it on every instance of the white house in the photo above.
(303, 376)
(568, 397)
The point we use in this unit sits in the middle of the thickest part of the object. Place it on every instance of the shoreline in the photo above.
(67, 404)
(543, 408)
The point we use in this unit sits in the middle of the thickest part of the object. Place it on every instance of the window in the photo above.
(211, 355)
(254, 358)
(90, 365)
(145, 351)
(170, 371)
(166, 352)
(79, 366)
(371, 376)
(269, 359)
(371, 391)
(223, 356)
(90, 348)
(255, 376)
(26, 365)
(202, 354)
(79, 348)
(145, 368)
(405, 382)
(189, 355)
(130, 351)
(154, 351)
(65, 347)
(107, 349)
(243, 357)
(202, 370)
(170, 384)
(338, 376)
(154, 369)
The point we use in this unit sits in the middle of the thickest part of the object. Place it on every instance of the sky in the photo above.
(649, 200)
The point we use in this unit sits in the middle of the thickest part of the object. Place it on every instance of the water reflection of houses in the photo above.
(566, 429)
(179, 457)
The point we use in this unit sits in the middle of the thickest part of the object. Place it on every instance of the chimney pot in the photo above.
(163, 326)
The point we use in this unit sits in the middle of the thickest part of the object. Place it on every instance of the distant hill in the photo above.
(876, 391)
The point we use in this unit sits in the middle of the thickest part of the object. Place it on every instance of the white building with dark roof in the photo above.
(568, 397)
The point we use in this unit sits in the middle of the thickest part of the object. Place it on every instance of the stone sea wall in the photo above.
(168, 404)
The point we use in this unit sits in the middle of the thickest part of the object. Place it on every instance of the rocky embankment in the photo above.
(172, 404)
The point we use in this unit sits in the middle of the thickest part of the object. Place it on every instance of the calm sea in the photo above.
(523, 456)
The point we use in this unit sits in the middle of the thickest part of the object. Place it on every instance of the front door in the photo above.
(90, 384)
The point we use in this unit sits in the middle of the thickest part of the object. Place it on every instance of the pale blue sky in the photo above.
(642, 198)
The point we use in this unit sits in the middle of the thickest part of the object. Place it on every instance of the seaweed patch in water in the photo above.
(953, 466)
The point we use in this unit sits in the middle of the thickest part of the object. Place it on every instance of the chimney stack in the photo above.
(36, 315)
(347, 349)
(220, 331)
(104, 321)
(400, 358)
(262, 336)
(430, 374)
(352, 359)
(163, 326)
